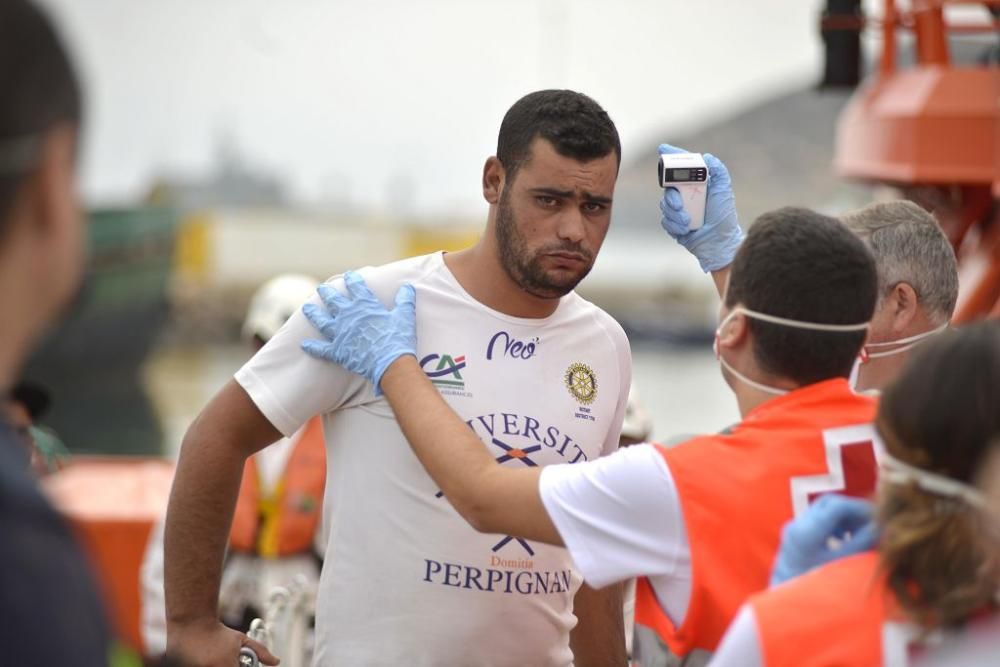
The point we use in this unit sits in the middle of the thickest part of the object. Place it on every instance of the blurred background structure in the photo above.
(229, 141)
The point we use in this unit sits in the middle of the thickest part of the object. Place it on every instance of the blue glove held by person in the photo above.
(715, 243)
(361, 335)
(833, 527)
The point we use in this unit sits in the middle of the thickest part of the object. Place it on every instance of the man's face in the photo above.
(552, 218)
(881, 328)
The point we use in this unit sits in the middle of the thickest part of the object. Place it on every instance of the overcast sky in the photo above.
(396, 103)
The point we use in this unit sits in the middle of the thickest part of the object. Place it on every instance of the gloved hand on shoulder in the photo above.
(833, 527)
(360, 333)
(715, 243)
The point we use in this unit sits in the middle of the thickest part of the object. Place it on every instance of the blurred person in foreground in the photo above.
(50, 613)
(917, 270)
(275, 540)
(539, 374)
(699, 522)
(936, 569)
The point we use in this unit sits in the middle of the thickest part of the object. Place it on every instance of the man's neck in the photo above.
(749, 398)
(878, 372)
(479, 272)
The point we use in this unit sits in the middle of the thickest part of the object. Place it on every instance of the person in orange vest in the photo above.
(701, 522)
(937, 567)
(276, 534)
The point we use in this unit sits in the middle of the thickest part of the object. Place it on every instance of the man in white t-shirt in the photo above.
(537, 373)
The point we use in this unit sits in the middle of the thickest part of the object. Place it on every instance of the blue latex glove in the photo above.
(361, 335)
(715, 243)
(833, 527)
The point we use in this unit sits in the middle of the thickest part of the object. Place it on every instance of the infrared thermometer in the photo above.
(688, 173)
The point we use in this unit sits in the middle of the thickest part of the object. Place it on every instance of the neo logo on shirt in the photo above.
(446, 372)
(512, 347)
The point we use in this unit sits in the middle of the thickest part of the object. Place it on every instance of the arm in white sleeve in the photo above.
(619, 516)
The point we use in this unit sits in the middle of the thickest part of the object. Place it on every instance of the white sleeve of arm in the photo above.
(289, 387)
(153, 622)
(740, 646)
(619, 516)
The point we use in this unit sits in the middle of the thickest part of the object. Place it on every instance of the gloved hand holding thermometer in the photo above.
(714, 237)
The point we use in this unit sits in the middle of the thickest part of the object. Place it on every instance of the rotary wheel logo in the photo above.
(582, 383)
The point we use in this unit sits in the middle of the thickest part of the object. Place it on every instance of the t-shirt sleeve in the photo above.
(740, 646)
(623, 353)
(289, 387)
(619, 516)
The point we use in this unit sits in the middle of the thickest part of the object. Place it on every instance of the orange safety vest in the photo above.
(738, 489)
(834, 615)
(286, 523)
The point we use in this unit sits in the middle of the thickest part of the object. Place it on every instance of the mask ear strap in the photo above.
(898, 472)
(800, 324)
(910, 339)
(756, 385)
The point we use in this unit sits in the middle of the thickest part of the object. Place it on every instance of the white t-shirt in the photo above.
(406, 581)
(620, 517)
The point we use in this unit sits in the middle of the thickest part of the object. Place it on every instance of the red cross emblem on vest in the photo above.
(851, 462)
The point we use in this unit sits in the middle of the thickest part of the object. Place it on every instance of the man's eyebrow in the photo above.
(566, 194)
(600, 199)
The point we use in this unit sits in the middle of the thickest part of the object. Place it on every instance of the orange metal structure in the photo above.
(933, 131)
(112, 503)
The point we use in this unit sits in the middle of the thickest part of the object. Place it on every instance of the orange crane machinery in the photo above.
(931, 129)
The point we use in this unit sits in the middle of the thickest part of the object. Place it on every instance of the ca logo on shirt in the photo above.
(445, 372)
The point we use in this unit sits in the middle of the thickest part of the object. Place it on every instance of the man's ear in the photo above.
(903, 305)
(494, 176)
(735, 332)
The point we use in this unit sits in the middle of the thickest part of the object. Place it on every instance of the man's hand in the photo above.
(361, 335)
(716, 242)
(211, 644)
(833, 527)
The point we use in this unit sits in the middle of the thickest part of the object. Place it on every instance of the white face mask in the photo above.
(783, 321)
(906, 344)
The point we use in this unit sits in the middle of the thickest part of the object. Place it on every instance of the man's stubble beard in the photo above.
(525, 270)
